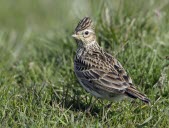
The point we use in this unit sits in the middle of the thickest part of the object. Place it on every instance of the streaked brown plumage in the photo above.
(99, 73)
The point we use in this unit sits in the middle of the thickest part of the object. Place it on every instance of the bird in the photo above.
(100, 74)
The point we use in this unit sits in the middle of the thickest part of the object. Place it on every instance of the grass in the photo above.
(38, 87)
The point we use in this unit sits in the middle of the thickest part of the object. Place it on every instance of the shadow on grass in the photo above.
(73, 100)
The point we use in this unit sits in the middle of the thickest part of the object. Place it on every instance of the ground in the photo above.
(38, 87)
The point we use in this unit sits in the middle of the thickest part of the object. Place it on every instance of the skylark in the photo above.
(98, 72)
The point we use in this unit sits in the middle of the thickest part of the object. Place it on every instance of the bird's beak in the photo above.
(75, 36)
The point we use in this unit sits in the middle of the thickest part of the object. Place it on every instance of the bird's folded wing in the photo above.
(106, 74)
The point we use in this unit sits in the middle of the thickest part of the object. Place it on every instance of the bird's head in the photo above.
(84, 32)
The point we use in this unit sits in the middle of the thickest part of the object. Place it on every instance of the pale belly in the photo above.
(90, 91)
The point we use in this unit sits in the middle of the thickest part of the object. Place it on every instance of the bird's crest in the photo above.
(84, 23)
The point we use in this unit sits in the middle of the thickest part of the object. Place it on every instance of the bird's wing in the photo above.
(118, 68)
(103, 71)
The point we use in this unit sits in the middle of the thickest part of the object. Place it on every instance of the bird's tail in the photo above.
(134, 93)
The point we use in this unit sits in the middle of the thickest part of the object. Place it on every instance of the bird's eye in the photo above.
(86, 32)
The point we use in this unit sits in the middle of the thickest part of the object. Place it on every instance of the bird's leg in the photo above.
(91, 104)
(108, 107)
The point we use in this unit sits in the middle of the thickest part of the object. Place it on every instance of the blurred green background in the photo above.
(53, 14)
(38, 87)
